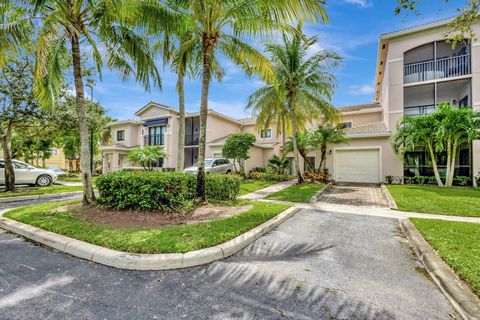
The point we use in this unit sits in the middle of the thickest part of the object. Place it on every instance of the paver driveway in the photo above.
(368, 195)
(317, 265)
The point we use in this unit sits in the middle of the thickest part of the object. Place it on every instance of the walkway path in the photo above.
(262, 193)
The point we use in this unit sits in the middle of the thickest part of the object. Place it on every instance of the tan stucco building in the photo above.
(416, 70)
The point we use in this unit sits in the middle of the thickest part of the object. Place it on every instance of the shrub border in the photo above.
(465, 302)
(137, 261)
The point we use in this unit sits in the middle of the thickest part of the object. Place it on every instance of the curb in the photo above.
(317, 195)
(39, 196)
(391, 202)
(137, 261)
(465, 302)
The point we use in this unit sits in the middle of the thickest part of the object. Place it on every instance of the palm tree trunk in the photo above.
(7, 155)
(452, 164)
(181, 127)
(207, 60)
(295, 146)
(323, 157)
(435, 167)
(88, 195)
(284, 132)
(449, 162)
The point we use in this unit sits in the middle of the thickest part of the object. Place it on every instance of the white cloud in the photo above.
(361, 3)
(361, 90)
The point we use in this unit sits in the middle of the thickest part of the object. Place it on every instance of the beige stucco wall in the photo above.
(218, 127)
(360, 119)
(132, 134)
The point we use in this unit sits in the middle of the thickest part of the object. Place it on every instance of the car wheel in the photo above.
(44, 181)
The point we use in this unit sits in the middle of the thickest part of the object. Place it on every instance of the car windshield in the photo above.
(21, 165)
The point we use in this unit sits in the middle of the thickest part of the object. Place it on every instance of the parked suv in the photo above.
(27, 174)
(213, 165)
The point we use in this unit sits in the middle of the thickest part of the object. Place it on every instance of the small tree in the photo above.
(147, 156)
(303, 145)
(237, 146)
(324, 135)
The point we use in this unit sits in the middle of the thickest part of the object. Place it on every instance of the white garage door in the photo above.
(357, 165)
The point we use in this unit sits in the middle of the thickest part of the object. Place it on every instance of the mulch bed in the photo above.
(148, 219)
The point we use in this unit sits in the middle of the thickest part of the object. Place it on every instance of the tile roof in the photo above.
(359, 107)
(372, 129)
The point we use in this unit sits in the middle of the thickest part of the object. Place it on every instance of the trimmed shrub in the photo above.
(222, 186)
(316, 176)
(164, 191)
(167, 192)
(462, 181)
(258, 169)
(270, 176)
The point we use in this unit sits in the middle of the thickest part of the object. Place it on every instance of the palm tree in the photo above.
(324, 135)
(304, 145)
(280, 164)
(64, 27)
(302, 86)
(220, 27)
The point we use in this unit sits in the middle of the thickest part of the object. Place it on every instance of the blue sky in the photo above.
(353, 31)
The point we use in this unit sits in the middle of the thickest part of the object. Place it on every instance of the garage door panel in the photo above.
(360, 165)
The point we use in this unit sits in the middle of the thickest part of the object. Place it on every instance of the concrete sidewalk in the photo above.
(262, 193)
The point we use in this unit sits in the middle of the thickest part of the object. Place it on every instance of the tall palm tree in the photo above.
(324, 135)
(303, 85)
(220, 27)
(64, 27)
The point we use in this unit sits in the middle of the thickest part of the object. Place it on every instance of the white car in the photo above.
(27, 174)
(213, 165)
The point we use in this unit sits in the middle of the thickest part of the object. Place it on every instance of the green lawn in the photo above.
(179, 238)
(248, 186)
(296, 193)
(30, 191)
(458, 245)
(70, 179)
(430, 199)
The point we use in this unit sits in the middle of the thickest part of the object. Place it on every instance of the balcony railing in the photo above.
(437, 69)
(153, 140)
(418, 110)
(191, 139)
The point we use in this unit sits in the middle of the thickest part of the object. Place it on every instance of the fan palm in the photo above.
(109, 29)
(220, 27)
(302, 87)
(324, 135)
(279, 164)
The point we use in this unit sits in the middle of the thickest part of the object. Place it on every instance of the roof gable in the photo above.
(156, 105)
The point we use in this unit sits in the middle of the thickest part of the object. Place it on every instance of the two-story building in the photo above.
(416, 70)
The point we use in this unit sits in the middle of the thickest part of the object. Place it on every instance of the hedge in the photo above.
(163, 191)
(270, 176)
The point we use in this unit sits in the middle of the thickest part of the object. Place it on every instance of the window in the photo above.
(20, 165)
(54, 152)
(266, 133)
(344, 125)
(2, 165)
(120, 135)
(155, 136)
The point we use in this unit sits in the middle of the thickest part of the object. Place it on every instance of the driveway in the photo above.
(317, 265)
(366, 195)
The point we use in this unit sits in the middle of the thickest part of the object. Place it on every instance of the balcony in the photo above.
(192, 139)
(153, 140)
(437, 69)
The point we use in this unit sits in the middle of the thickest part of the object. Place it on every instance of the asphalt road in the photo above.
(317, 265)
